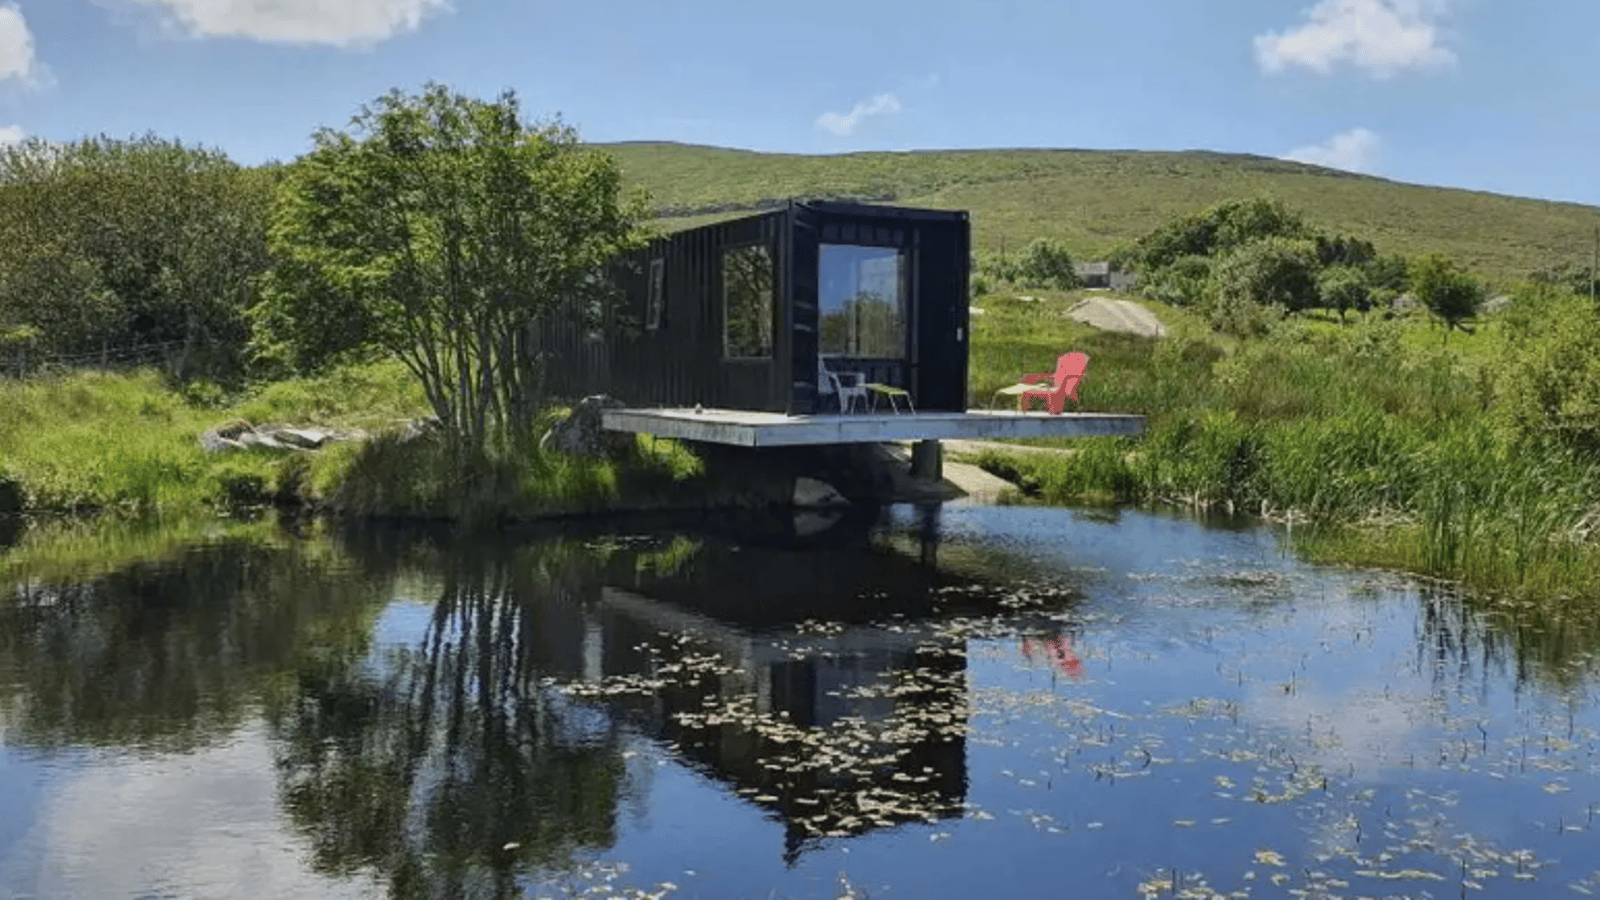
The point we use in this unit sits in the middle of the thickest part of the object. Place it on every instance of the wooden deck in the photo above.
(764, 429)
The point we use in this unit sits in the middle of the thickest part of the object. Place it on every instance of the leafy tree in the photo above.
(1390, 272)
(1343, 288)
(1271, 272)
(109, 243)
(1446, 291)
(1182, 283)
(1215, 231)
(998, 267)
(1344, 251)
(1046, 263)
(444, 231)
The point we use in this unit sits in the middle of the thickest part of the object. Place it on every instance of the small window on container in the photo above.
(747, 302)
(658, 293)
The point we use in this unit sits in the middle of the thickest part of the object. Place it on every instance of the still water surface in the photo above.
(969, 702)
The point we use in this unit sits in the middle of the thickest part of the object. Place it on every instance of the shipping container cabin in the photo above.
(741, 314)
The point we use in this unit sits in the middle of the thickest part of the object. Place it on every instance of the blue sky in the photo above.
(1485, 94)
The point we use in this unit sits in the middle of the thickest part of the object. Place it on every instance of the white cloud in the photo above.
(1355, 150)
(11, 134)
(346, 23)
(201, 824)
(16, 44)
(1383, 37)
(844, 124)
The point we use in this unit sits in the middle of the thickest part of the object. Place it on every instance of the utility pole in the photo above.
(1594, 264)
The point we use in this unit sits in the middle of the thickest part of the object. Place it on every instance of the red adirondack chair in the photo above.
(1070, 369)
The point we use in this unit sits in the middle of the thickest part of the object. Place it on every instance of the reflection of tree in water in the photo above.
(1462, 638)
(171, 655)
(445, 768)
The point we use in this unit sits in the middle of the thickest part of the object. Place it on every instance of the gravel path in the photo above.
(1116, 315)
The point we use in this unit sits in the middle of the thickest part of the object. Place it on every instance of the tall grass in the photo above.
(126, 442)
(1389, 451)
(96, 440)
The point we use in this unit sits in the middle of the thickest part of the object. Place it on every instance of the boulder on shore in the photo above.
(813, 493)
(582, 433)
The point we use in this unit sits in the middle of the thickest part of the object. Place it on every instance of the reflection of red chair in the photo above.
(1070, 369)
(1059, 651)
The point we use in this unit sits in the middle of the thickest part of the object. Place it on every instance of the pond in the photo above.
(924, 702)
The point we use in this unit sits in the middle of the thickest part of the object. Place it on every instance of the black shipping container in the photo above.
(738, 314)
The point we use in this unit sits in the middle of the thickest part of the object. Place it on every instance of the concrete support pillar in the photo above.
(927, 460)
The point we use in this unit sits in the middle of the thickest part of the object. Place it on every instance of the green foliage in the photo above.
(996, 267)
(1258, 281)
(443, 230)
(1341, 250)
(1388, 273)
(1043, 263)
(1551, 380)
(1342, 288)
(1216, 231)
(1385, 447)
(114, 245)
(1252, 261)
(1046, 263)
(1446, 291)
(373, 397)
(1567, 276)
(422, 477)
(1182, 283)
(95, 441)
(98, 441)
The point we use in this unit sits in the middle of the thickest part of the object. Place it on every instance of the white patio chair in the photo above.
(850, 387)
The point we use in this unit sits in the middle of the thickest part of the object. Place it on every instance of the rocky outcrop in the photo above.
(239, 435)
(582, 433)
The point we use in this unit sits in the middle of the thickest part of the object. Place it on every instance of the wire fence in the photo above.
(28, 363)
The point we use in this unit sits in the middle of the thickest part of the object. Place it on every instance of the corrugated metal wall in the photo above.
(681, 363)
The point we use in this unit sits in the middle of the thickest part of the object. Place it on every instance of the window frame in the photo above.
(768, 327)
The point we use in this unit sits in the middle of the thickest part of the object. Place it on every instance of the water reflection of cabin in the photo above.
(737, 314)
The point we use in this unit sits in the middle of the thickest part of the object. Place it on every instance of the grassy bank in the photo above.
(126, 443)
(1385, 443)
(96, 441)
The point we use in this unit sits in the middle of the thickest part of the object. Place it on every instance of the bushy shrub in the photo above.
(1045, 262)
(1270, 272)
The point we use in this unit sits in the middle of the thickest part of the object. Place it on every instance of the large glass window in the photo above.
(747, 302)
(862, 301)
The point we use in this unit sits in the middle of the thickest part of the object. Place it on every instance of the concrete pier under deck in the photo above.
(765, 429)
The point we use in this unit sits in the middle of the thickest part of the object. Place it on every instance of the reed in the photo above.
(1384, 449)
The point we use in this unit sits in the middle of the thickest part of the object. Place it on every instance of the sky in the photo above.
(1490, 95)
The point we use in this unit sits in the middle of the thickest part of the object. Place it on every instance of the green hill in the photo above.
(1095, 199)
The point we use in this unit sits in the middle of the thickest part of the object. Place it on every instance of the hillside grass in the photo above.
(1094, 200)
